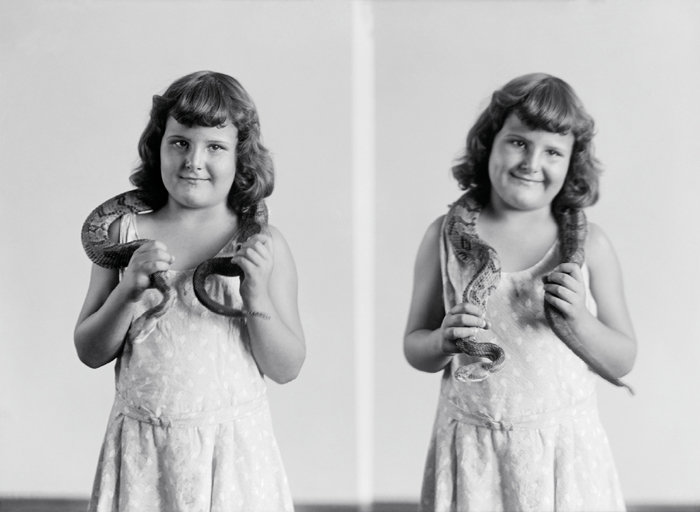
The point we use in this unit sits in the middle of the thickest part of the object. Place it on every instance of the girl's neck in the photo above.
(513, 218)
(520, 237)
(191, 235)
(175, 213)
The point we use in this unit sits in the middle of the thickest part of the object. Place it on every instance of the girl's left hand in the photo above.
(256, 257)
(565, 290)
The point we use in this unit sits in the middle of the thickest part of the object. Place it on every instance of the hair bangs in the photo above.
(548, 107)
(204, 105)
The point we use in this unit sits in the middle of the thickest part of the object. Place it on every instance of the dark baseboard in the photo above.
(42, 505)
(67, 505)
(376, 507)
(64, 505)
(686, 507)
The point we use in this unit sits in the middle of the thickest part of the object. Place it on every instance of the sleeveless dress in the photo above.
(528, 438)
(190, 429)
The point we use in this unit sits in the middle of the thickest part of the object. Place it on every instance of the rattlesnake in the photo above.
(481, 261)
(107, 254)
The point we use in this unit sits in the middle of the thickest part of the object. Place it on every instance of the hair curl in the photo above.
(541, 102)
(207, 98)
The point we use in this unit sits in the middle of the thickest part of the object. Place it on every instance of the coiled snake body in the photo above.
(107, 254)
(480, 261)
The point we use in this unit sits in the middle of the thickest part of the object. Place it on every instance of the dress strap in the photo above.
(192, 419)
(127, 228)
(529, 422)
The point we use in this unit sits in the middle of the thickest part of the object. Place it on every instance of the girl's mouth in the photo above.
(525, 179)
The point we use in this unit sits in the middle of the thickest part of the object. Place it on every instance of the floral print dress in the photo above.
(527, 438)
(190, 430)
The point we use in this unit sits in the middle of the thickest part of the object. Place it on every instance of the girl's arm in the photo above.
(609, 337)
(270, 287)
(429, 340)
(109, 305)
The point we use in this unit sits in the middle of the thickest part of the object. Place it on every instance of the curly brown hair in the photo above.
(207, 98)
(541, 102)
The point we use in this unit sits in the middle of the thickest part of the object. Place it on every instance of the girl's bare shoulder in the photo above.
(429, 250)
(280, 245)
(435, 227)
(599, 248)
(277, 236)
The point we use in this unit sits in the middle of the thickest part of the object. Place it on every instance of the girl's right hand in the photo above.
(461, 321)
(151, 257)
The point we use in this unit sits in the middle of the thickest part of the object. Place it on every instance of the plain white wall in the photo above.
(635, 64)
(76, 79)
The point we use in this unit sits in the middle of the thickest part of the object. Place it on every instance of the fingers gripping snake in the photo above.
(481, 261)
(107, 254)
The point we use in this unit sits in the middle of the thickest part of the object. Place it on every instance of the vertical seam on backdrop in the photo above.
(363, 209)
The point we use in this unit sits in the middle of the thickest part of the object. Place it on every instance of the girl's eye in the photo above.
(216, 147)
(518, 143)
(553, 152)
(180, 144)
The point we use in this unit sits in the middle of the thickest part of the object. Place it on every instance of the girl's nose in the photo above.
(530, 162)
(194, 159)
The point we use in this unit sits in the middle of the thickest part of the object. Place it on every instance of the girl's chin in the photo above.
(193, 200)
(524, 203)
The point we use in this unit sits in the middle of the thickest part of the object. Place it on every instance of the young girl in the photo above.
(526, 437)
(190, 429)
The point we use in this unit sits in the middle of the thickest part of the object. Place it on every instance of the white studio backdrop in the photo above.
(76, 80)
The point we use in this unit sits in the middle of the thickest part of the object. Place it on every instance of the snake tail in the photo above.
(218, 266)
(253, 221)
(144, 325)
(573, 231)
(563, 331)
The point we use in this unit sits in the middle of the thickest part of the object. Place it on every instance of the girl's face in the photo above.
(527, 167)
(198, 163)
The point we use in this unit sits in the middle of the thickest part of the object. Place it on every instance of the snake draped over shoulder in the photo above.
(108, 254)
(480, 261)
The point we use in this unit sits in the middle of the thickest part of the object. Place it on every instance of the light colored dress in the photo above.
(190, 430)
(527, 438)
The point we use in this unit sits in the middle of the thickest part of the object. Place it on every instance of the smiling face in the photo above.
(527, 167)
(198, 163)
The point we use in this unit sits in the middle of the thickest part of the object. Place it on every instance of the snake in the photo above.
(111, 255)
(481, 261)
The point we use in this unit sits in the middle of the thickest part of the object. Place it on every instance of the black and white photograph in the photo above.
(349, 255)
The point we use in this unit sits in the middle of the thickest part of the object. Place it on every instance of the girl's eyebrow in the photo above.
(520, 135)
(224, 141)
(563, 147)
(208, 141)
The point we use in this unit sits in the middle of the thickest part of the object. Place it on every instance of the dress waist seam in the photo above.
(189, 419)
(528, 422)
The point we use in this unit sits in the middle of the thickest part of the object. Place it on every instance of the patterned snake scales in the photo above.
(482, 262)
(107, 254)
